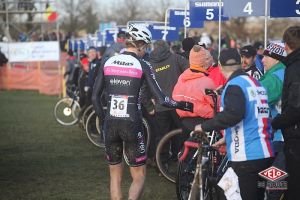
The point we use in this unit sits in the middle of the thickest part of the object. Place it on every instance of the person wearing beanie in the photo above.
(288, 121)
(272, 80)
(191, 86)
(245, 118)
(248, 54)
(187, 45)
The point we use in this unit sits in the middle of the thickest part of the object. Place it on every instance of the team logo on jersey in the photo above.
(236, 139)
(117, 62)
(120, 82)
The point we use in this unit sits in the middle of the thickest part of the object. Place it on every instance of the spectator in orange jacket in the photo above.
(191, 86)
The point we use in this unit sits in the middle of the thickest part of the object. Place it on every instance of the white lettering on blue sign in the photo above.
(208, 4)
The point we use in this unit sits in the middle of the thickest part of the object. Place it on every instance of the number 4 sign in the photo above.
(244, 8)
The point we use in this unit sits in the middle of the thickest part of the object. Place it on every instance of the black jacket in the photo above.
(289, 119)
(167, 68)
(234, 108)
(185, 54)
(3, 59)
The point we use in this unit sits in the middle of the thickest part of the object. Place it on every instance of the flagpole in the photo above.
(185, 14)
(266, 23)
(166, 21)
(220, 12)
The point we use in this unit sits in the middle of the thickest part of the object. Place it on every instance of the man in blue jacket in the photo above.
(245, 118)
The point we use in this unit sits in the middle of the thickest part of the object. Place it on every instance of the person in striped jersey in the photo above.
(245, 118)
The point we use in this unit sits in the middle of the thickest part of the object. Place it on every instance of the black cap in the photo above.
(258, 45)
(70, 52)
(82, 55)
(230, 57)
(121, 34)
(248, 51)
(188, 43)
(92, 48)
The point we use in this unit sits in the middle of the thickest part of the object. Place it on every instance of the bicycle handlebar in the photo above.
(195, 145)
(187, 145)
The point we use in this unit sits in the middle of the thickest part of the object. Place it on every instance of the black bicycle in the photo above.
(201, 166)
(171, 144)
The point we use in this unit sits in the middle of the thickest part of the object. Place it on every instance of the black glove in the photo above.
(187, 106)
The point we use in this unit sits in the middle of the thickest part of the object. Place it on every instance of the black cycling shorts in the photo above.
(119, 134)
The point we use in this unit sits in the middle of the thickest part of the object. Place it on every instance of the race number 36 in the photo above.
(118, 107)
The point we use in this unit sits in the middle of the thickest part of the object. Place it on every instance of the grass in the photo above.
(40, 159)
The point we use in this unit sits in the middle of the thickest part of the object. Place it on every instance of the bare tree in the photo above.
(14, 10)
(79, 15)
(158, 9)
(124, 11)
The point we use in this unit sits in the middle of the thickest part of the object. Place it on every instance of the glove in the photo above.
(187, 106)
(86, 88)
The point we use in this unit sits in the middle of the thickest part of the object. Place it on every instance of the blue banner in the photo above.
(82, 45)
(285, 8)
(205, 10)
(103, 26)
(177, 19)
(158, 32)
(244, 8)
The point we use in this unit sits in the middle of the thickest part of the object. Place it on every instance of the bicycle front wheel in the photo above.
(66, 111)
(94, 131)
(167, 153)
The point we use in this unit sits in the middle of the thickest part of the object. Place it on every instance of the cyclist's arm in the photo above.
(233, 113)
(155, 89)
(146, 98)
(97, 91)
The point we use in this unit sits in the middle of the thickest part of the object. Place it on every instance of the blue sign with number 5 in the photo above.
(285, 8)
(205, 10)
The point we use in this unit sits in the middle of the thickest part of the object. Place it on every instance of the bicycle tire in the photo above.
(167, 173)
(64, 114)
(186, 174)
(86, 113)
(95, 136)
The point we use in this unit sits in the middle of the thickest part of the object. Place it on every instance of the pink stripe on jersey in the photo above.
(267, 139)
(123, 71)
(264, 121)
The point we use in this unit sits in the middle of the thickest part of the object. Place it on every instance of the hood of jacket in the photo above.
(160, 54)
(189, 75)
(292, 57)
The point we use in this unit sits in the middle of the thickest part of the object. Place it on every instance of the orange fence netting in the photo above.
(46, 77)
